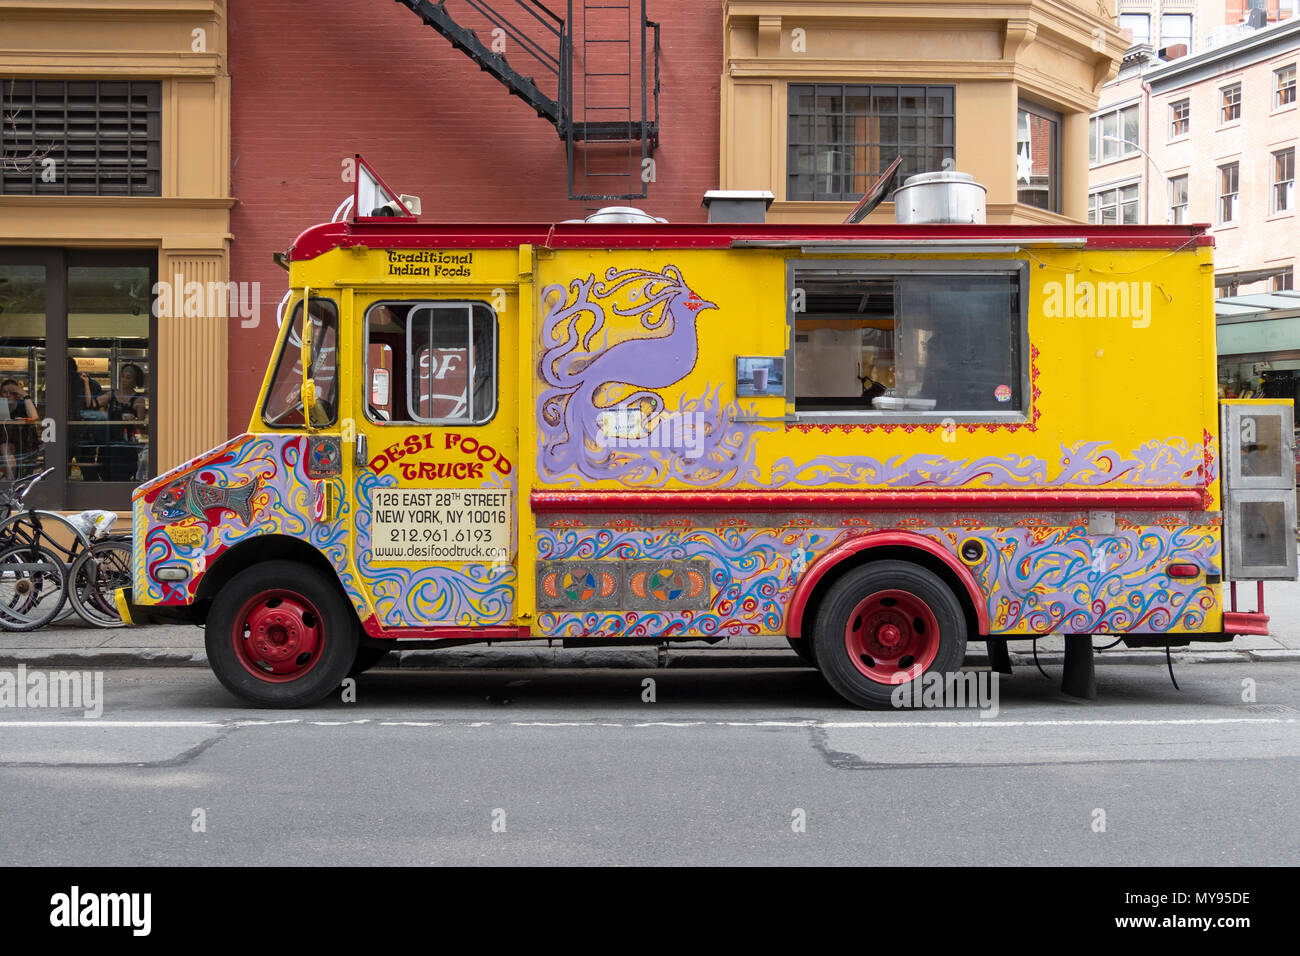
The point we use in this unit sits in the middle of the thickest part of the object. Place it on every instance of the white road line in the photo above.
(640, 725)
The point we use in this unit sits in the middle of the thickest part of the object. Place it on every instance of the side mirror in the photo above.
(379, 387)
(308, 391)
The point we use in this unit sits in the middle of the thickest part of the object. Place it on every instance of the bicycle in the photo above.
(39, 574)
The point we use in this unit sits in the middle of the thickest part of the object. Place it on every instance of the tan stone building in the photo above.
(819, 96)
(114, 153)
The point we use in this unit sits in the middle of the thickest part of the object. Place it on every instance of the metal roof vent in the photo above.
(940, 198)
(622, 214)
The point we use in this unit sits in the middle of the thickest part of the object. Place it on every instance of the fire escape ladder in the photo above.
(605, 106)
(541, 38)
(615, 110)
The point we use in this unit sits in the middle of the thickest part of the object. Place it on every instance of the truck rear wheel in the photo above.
(280, 635)
(885, 624)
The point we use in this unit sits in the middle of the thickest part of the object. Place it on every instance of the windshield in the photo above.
(284, 400)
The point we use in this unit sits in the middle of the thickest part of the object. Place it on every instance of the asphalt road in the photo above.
(510, 767)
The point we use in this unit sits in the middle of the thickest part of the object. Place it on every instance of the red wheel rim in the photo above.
(892, 637)
(278, 636)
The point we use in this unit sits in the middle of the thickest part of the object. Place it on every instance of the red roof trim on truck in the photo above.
(408, 234)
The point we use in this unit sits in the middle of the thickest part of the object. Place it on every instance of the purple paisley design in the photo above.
(751, 579)
(1034, 580)
(1062, 580)
(1173, 462)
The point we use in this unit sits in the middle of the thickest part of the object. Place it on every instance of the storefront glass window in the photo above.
(22, 370)
(76, 357)
(108, 403)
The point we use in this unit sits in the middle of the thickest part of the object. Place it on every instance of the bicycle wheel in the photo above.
(95, 576)
(33, 587)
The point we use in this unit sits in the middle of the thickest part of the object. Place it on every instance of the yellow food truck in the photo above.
(882, 442)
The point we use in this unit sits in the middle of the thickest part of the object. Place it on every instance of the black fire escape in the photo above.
(599, 81)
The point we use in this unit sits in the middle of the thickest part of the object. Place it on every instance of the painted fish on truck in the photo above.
(258, 485)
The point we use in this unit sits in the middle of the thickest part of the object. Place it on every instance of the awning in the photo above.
(1247, 276)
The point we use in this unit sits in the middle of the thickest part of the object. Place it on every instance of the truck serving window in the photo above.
(908, 342)
(440, 360)
(284, 400)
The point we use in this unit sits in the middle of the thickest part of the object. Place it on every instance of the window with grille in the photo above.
(80, 137)
(841, 138)
(1176, 28)
(1285, 281)
(1109, 207)
(1283, 198)
(1231, 109)
(1228, 186)
(1284, 86)
(1180, 118)
(1178, 200)
(1113, 134)
(1038, 157)
(1138, 25)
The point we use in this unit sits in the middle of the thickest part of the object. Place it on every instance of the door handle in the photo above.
(359, 456)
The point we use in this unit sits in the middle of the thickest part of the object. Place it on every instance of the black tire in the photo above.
(94, 579)
(293, 626)
(367, 657)
(33, 587)
(803, 646)
(917, 588)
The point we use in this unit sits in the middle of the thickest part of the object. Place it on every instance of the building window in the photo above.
(841, 138)
(1284, 86)
(1230, 108)
(1178, 200)
(932, 340)
(78, 349)
(1137, 25)
(1038, 157)
(81, 138)
(1176, 28)
(1109, 207)
(1283, 198)
(1113, 135)
(1180, 118)
(1285, 281)
(1228, 185)
(436, 362)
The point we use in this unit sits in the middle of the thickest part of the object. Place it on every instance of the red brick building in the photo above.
(315, 81)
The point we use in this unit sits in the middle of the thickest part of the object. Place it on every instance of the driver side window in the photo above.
(284, 399)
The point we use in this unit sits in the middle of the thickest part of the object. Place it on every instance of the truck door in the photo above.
(434, 475)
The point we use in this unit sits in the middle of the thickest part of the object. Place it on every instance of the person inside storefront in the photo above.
(16, 438)
(123, 404)
(84, 442)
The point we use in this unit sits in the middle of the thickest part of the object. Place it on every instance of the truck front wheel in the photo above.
(885, 624)
(280, 635)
